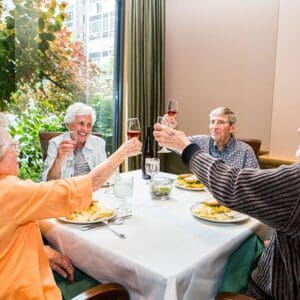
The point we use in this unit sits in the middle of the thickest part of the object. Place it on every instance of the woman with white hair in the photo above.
(24, 267)
(65, 158)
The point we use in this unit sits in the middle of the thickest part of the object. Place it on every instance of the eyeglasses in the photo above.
(83, 124)
(218, 122)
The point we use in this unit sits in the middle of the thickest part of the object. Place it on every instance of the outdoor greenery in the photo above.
(42, 71)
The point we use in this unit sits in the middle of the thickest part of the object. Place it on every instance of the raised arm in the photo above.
(271, 196)
(102, 172)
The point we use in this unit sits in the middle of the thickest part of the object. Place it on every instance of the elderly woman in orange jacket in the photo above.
(24, 267)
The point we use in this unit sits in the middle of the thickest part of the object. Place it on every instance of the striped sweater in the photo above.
(271, 196)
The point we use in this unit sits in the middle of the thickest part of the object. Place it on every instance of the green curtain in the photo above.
(146, 64)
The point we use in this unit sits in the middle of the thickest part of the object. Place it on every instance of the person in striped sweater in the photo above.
(271, 196)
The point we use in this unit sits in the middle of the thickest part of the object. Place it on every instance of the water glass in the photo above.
(160, 187)
(152, 166)
(123, 190)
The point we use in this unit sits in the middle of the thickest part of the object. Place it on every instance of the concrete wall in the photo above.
(223, 53)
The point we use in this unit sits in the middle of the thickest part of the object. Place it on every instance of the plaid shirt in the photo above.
(235, 153)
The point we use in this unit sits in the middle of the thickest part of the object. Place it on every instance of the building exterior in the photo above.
(93, 22)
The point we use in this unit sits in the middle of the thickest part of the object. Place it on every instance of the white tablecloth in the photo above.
(168, 253)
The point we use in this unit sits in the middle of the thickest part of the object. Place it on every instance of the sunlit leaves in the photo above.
(63, 5)
(44, 45)
(41, 24)
(61, 17)
(10, 22)
(40, 60)
(47, 36)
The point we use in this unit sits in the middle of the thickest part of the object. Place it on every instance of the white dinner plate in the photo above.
(188, 188)
(236, 216)
(64, 219)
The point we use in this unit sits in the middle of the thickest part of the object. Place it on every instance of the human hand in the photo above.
(132, 147)
(60, 263)
(170, 138)
(65, 148)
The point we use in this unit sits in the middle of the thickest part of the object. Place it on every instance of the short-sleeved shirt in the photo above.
(235, 153)
(93, 152)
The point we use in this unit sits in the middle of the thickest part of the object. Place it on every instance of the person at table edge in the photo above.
(24, 267)
(271, 196)
(62, 161)
(221, 143)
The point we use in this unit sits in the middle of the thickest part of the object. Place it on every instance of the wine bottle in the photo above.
(147, 151)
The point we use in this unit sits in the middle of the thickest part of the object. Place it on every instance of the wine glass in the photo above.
(73, 138)
(163, 121)
(172, 108)
(133, 128)
(123, 190)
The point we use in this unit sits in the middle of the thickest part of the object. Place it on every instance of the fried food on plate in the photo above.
(189, 181)
(212, 210)
(92, 213)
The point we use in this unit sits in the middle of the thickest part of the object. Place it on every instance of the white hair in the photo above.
(224, 111)
(79, 109)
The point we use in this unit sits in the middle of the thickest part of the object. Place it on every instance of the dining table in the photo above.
(168, 252)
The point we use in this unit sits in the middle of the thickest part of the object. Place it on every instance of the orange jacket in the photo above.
(24, 267)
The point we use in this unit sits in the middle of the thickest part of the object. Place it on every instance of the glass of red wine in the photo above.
(169, 119)
(172, 112)
(133, 128)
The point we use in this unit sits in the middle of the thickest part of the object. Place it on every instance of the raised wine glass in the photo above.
(163, 121)
(72, 141)
(169, 119)
(172, 109)
(133, 128)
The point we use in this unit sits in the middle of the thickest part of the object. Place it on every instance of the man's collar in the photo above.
(226, 146)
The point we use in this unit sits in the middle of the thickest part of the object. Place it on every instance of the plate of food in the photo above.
(211, 210)
(189, 182)
(93, 214)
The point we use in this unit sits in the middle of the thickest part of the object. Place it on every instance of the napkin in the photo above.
(81, 283)
(240, 265)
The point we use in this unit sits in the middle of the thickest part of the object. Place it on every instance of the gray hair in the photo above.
(224, 111)
(79, 109)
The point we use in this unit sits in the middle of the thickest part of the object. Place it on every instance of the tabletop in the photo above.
(168, 253)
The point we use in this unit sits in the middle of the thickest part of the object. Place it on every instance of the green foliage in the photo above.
(37, 53)
(25, 127)
(42, 72)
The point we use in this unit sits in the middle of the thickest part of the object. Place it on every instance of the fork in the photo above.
(105, 222)
(116, 221)
(119, 234)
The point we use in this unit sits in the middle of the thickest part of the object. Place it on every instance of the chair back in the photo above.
(105, 291)
(253, 143)
(45, 137)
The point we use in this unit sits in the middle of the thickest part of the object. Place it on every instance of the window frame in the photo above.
(118, 73)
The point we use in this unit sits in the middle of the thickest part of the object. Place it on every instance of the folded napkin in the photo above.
(82, 282)
(240, 265)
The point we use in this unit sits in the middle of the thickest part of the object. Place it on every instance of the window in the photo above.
(101, 48)
(68, 72)
(96, 27)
